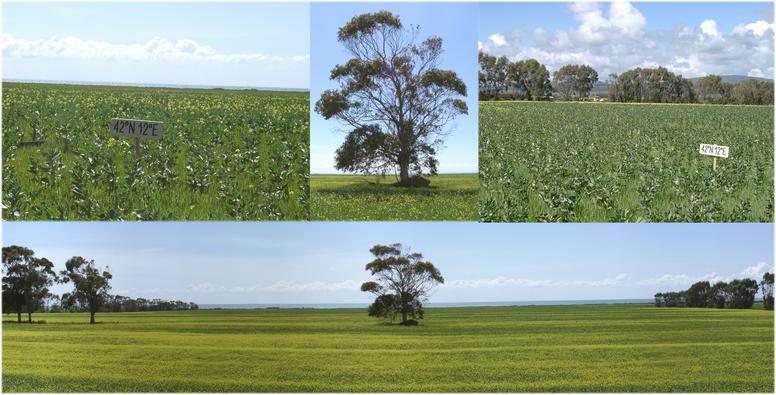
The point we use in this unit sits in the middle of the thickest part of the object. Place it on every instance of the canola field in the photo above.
(224, 155)
(579, 348)
(614, 162)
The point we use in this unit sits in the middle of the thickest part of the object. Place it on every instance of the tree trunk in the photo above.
(91, 320)
(404, 173)
(404, 316)
(29, 317)
(19, 316)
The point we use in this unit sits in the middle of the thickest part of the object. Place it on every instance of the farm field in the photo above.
(450, 197)
(612, 162)
(580, 348)
(218, 159)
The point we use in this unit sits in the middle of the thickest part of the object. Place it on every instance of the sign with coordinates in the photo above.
(719, 151)
(136, 128)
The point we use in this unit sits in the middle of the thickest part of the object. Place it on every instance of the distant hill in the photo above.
(601, 87)
(732, 79)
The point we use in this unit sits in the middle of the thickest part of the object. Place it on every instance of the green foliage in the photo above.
(91, 285)
(218, 158)
(451, 197)
(649, 85)
(393, 96)
(604, 348)
(766, 287)
(611, 162)
(366, 24)
(361, 151)
(742, 293)
(384, 306)
(26, 280)
(403, 282)
(737, 294)
(574, 81)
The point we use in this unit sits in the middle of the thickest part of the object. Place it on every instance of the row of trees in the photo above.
(648, 85)
(530, 80)
(711, 89)
(119, 304)
(27, 278)
(521, 80)
(736, 294)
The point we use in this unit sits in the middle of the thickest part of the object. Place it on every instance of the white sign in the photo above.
(136, 128)
(719, 151)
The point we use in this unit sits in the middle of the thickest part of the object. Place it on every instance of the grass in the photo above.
(450, 197)
(614, 162)
(217, 159)
(609, 348)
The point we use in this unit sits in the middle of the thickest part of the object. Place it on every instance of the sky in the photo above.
(692, 38)
(458, 30)
(227, 44)
(323, 262)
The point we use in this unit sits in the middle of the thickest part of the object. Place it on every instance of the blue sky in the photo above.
(692, 39)
(458, 29)
(241, 44)
(323, 262)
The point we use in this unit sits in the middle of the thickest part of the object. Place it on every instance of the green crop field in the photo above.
(609, 162)
(224, 154)
(450, 197)
(608, 348)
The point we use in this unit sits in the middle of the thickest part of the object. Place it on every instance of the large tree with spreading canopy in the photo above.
(395, 97)
(403, 281)
(91, 284)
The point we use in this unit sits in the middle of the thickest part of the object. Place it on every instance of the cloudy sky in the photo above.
(232, 44)
(323, 262)
(693, 39)
(458, 30)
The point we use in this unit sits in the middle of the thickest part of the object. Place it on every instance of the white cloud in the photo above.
(616, 38)
(205, 287)
(758, 29)
(155, 49)
(756, 272)
(279, 286)
(497, 282)
(498, 39)
(347, 285)
(757, 73)
(709, 28)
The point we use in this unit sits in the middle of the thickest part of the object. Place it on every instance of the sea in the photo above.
(440, 304)
(144, 85)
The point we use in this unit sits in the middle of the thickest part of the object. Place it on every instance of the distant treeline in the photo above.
(736, 294)
(117, 304)
(500, 78)
(27, 278)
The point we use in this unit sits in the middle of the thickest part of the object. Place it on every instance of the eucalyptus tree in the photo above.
(394, 96)
(766, 286)
(90, 284)
(403, 282)
(26, 280)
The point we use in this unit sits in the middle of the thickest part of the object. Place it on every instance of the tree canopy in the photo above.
(529, 80)
(395, 97)
(90, 284)
(403, 280)
(574, 81)
(766, 286)
(736, 294)
(26, 280)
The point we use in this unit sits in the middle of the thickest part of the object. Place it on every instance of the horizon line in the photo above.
(155, 85)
